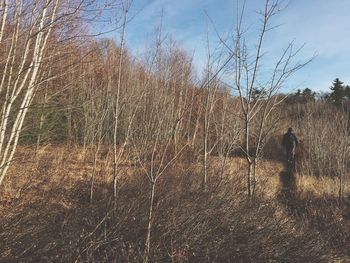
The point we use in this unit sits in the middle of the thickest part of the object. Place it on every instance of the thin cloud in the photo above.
(321, 25)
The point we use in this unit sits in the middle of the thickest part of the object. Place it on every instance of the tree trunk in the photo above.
(250, 179)
(341, 187)
(254, 176)
(42, 119)
(150, 224)
(117, 104)
(93, 173)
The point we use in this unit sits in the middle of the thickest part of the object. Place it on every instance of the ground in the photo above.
(47, 215)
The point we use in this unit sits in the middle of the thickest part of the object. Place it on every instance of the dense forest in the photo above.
(110, 157)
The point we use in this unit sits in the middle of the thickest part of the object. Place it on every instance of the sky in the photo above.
(321, 26)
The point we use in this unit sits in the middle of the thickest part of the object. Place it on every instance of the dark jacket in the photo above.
(290, 141)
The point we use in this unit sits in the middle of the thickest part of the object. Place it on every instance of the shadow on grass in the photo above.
(288, 188)
(322, 214)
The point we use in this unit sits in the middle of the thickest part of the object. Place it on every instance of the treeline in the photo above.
(337, 95)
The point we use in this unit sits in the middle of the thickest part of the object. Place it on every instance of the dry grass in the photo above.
(46, 215)
(319, 187)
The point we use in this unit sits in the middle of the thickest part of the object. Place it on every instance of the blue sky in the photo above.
(322, 25)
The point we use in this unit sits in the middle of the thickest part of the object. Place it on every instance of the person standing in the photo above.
(290, 142)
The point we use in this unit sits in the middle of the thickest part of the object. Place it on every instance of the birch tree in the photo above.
(27, 33)
(30, 31)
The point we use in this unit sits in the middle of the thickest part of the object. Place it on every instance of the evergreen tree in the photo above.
(308, 95)
(302, 97)
(337, 92)
(347, 92)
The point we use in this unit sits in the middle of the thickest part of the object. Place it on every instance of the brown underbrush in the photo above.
(46, 214)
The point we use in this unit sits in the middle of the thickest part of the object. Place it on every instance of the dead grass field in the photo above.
(46, 215)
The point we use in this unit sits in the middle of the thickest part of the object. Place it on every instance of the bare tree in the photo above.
(126, 5)
(257, 107)
(153, 139)
(155, 158)
(26, 40)
(95, 110)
